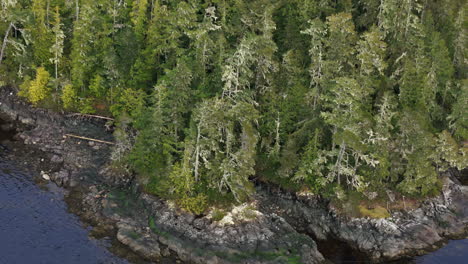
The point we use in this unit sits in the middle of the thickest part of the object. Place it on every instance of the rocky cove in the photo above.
(285, 228)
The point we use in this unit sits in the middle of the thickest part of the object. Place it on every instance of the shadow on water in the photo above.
(464, 177)
(7, 131)
(338, 252)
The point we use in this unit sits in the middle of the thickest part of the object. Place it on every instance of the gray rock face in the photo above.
(61, 178)
(56, 159)
(139, 241)
(268, 239)
(404, 234)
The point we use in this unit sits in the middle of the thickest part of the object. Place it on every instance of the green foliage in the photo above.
(69, 97)
(38, 89)
(224, 146)
(57, 48)
(372, 52)
(139, 16)
(41, 35)
(378, 212)
(86, 106)
(420, 176)
(97, 90)
(312, 163)
(217, 215)
(196, 204)
(182, 185)
(130, 101)
(450, 152)
(458, 121)
(333, 97)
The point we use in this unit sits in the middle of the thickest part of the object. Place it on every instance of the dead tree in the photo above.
(5, 40)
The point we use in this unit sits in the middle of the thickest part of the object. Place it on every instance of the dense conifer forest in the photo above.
(211, 97)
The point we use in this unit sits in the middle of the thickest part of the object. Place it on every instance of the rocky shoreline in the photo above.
(149, 226)
(280, 232)
(404, 234)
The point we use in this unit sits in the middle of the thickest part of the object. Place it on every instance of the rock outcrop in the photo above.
(408, 233)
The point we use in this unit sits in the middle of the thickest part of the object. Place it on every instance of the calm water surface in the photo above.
(455, 252)
(35, 226)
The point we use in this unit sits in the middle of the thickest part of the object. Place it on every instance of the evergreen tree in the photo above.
(371, 52)
(317, 31)
(40, 32)
(223, 156)
(458, 122)
(139, 17)
(57, 47)
(341, 44)
(329, 96)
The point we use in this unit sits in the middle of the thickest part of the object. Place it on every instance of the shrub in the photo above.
(69, 97)
(86, 106)
(194, 204)
(38, 89)
(131, 102)
(218, 215)
(377, 212)
(249, 213)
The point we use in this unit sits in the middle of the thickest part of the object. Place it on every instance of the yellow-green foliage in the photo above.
(24, 87)
(182, 182)
(196, 205)
(130, 101)
(86, 106)
(69, 97)
(36, 90)
(377, 212)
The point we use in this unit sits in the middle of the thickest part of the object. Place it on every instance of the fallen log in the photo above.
(90, 139)
(92, 116)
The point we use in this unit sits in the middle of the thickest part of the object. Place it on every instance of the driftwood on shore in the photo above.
(92, 116)
(90, 139)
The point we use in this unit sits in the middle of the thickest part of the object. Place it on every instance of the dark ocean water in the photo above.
(455, 252)
(35, 226)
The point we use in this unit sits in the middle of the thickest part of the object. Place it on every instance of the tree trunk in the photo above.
(77, 9)
(338, 162)
(197, 153)
(5, 39)
(47, 11)
(56, 64)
